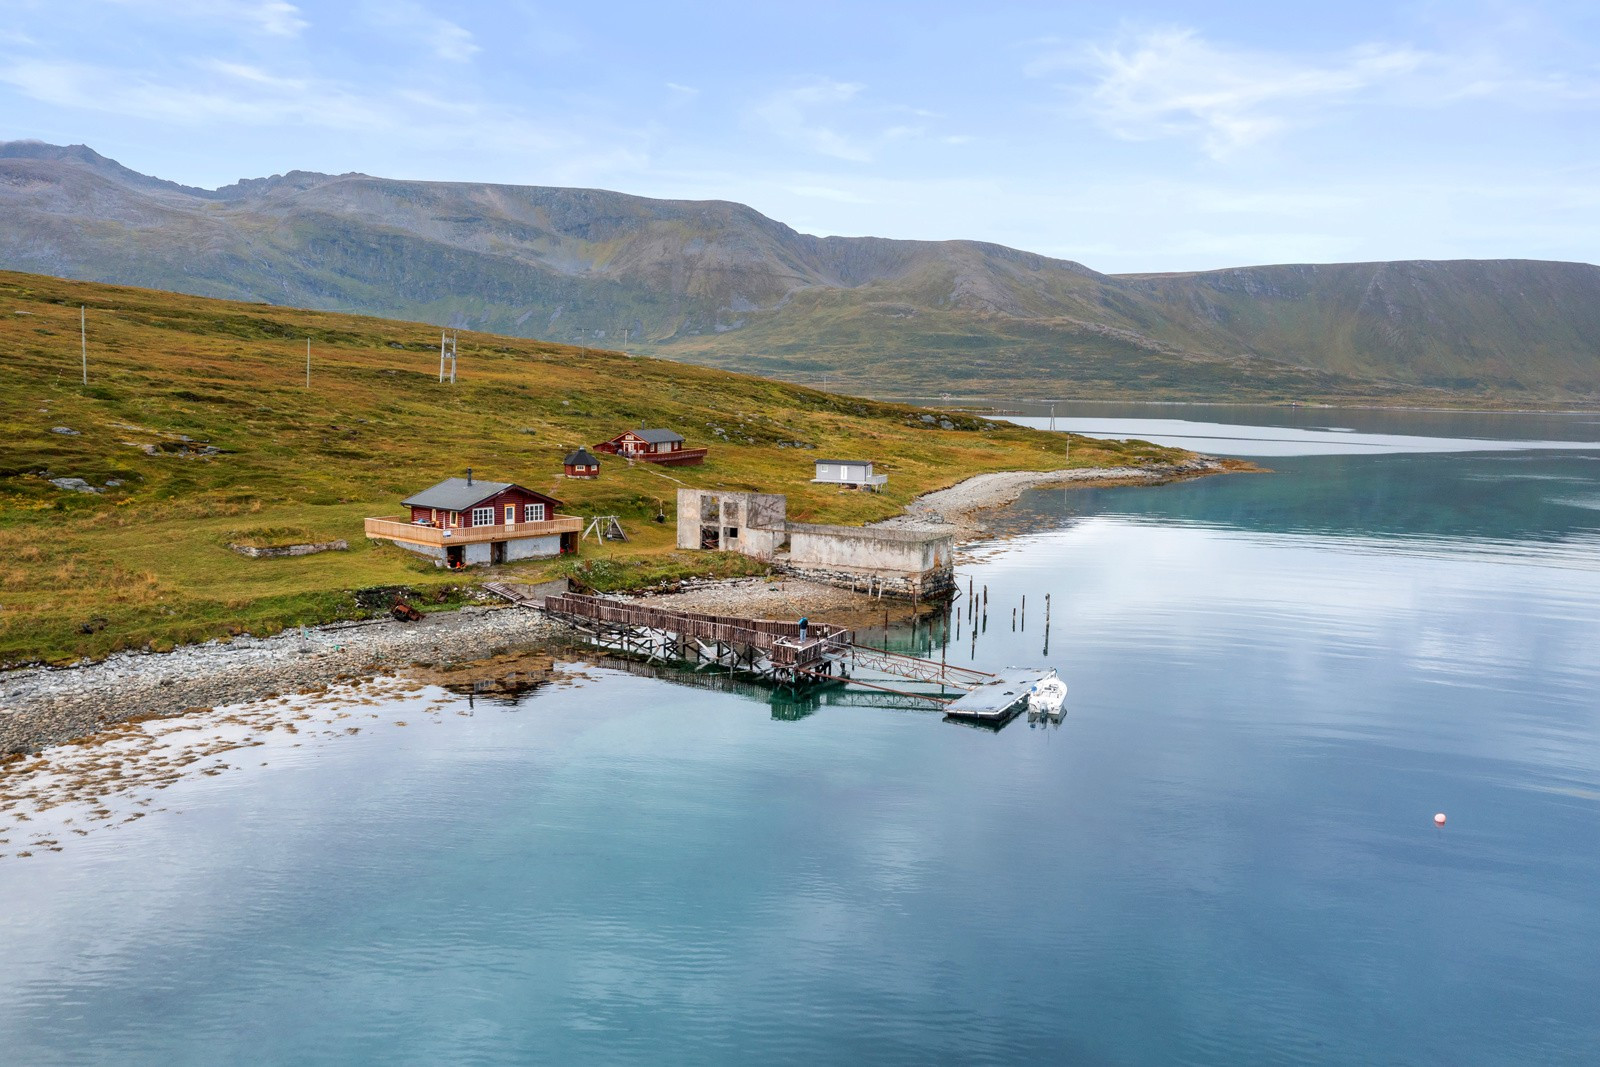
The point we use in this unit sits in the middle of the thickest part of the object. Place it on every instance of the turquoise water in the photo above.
(1224, 854)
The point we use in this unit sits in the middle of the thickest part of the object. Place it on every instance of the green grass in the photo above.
(146, 562)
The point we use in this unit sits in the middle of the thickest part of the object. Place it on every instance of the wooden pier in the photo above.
(775, 651)
(761, 646)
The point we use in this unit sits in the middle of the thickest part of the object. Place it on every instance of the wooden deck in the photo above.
(398, 529)
(683, 457)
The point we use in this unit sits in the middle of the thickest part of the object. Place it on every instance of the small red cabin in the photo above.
(653, 446)
(581, 464)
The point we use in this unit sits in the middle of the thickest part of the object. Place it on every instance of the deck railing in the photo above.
(398, 529)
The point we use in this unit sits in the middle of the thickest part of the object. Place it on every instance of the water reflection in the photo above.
(1516, 504)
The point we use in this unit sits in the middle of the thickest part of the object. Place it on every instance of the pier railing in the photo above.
(779, 640)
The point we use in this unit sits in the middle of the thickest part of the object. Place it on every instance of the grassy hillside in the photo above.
(199, 410)
(917, 340)
(1503, 330)
(719, 283)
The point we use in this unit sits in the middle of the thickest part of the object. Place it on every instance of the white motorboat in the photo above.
(1048, 697)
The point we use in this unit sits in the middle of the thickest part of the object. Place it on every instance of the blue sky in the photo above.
(1130, 136)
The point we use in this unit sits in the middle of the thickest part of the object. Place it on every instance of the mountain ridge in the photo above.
(717, 282)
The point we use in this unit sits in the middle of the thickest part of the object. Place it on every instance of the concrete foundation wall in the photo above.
(280, 551)
(912, 564)
(434, 552)
(479, 552)
(900, 585)
(871, 548)
(533, 547)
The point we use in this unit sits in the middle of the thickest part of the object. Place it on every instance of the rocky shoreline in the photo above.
(44, 706)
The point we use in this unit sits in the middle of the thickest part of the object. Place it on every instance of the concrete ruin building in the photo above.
(755, 524)
(910, 562)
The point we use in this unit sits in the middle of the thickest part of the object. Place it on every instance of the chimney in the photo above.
(469, 475)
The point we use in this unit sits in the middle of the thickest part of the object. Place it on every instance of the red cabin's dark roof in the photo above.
(458, 494)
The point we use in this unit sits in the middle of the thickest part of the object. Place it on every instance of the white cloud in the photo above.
(1171, 82)
(233, 92)
(409, 19)
(276, 18)
(827, 192)
(790, 115)
(685, 91)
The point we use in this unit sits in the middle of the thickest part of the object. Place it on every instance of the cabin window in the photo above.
(533, 513)
(511, 514)
(483, 516)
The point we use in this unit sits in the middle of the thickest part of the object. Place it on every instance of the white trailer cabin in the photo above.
(854, 473)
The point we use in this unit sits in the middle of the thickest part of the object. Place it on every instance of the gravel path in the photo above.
(43, 706)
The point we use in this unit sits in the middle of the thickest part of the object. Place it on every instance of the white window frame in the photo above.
(533, 513)
(483, 516)
(511, 514)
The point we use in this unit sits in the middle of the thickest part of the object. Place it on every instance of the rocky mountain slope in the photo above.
(719, 283)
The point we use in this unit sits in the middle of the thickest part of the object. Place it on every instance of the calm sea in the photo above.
(1225, 854)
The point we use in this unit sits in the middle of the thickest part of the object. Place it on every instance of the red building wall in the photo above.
(515, 496)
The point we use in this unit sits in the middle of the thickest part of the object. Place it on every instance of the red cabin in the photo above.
(653, 446)
(463, 521)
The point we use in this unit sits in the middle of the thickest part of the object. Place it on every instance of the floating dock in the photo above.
(1000, 697)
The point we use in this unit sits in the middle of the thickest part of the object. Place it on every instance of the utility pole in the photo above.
(308, 363)
(83, 339)
(447, 352)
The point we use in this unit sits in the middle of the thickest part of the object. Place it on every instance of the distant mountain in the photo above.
(719, 283)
